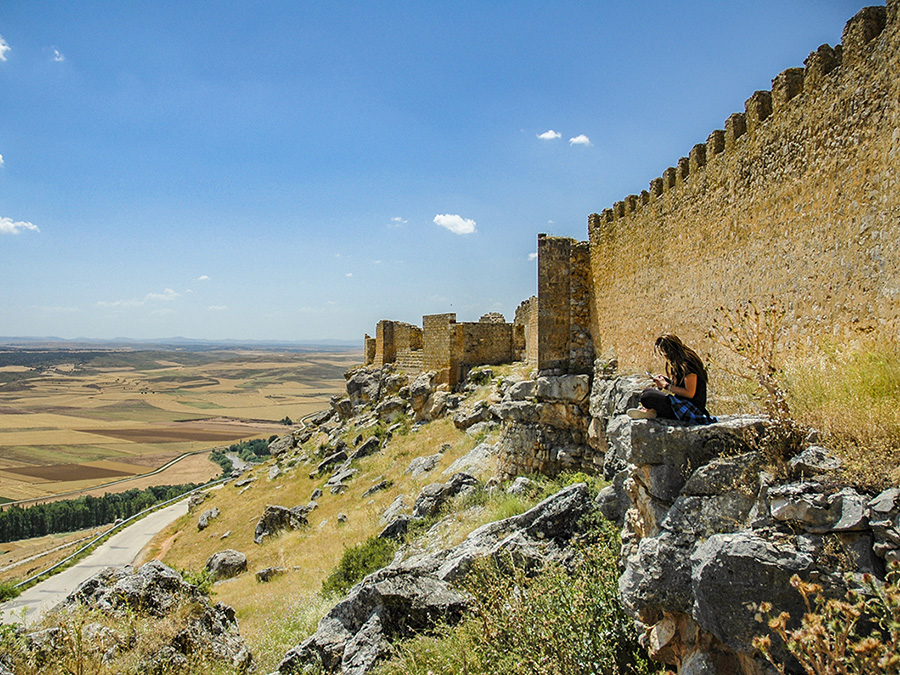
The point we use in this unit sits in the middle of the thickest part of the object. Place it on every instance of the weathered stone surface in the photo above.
(370, 447)
(732, 573)
(478, 460)
(269, 573)
(521, 391)
(331, 460)
(420, 392)
(363, 386)
(434, 496)
(340, 477)
(196, 500)
(411, 596)
(391, 409)
(206, 516)
(397, 507)
(226, 564)
(658, 576)
(613, 396)
(480, 412)
(321, 417)
(422, 465)
(573, 388)
(277, 518)
(343, 406)
(390, 603)
(378, 487)
(274, 472)
(282, 445)
(815, 460)
(396, 529)
(156, 590)
(520, 486)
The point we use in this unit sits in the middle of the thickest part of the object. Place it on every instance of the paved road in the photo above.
(119, 550)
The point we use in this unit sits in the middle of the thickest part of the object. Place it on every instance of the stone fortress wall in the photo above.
(797, 198)
(448, 347)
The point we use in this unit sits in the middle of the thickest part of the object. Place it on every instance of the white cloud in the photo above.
(9, 226)
(3, 48)
(532, 256)
(1, 160)
(549, 135)
(397, 222)
(349, 274)
(58, 56)
(217, 308)
(202, 277)
(167, 295)
(456, 224)
(581, 139)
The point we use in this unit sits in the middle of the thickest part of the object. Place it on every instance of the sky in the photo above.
(297, 170)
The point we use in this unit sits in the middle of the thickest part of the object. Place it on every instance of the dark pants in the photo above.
(654, 399)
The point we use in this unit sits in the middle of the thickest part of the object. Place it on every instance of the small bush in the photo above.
(358, 561)
(860, 634)
(8, 590)
(202, 579)
(559, 622)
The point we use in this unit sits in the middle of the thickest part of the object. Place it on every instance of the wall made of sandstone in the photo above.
(798, 198)
(484, 343)
(527, 317)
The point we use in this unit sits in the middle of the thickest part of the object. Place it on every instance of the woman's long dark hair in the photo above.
(681, 360)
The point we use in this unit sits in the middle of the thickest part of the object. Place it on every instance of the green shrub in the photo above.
(559, 622)
(358, 561)
(8, 590)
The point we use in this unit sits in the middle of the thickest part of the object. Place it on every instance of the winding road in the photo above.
(118, 551)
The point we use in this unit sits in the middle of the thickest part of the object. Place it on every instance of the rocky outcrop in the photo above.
(411, 596)
(709, 534)
(156, 591)
(544, 426)
(277, 518)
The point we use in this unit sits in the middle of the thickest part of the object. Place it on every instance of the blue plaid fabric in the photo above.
(687, 412)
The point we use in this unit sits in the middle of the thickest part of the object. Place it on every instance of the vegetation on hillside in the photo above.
(566, 620)
(69, 515)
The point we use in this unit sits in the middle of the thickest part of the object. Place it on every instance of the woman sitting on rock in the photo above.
(680, 394)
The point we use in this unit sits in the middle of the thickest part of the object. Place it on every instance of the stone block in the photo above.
(785, 86)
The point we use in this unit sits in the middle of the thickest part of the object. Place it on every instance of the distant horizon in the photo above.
(24, 340)
(198, 169)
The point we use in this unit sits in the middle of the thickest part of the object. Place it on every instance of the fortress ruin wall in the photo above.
(797, 199)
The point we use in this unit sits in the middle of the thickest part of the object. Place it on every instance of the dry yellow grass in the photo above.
(275, 616)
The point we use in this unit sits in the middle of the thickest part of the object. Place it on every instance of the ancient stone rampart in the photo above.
(564, 343)
(445, 346)
(798, 197)
(527, 317)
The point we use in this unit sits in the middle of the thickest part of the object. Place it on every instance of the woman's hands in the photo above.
(660, 381)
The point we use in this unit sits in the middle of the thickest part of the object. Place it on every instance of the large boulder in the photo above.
(390, 604)
(479, 412)
(226, 564)
(157, 591)
(434, 496)
(206, 516)
(363, 386)
(282, 444)
(277, 518)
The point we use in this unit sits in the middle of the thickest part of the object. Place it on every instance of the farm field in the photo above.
(76, 419)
